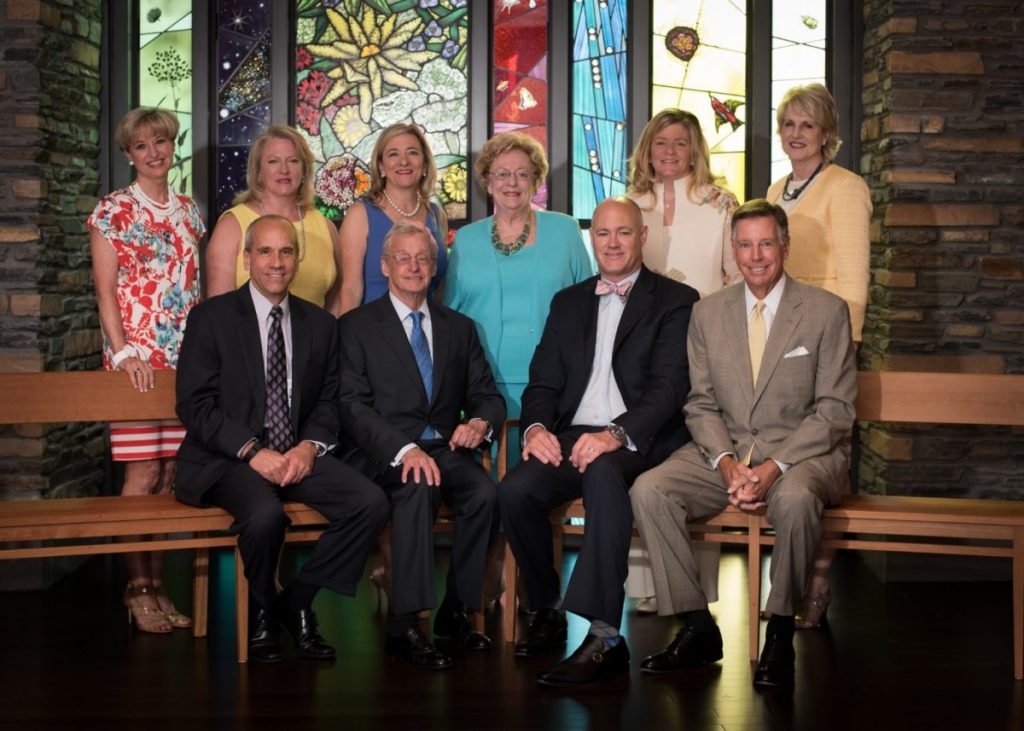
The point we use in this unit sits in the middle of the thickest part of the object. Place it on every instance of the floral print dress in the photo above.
(157, 284)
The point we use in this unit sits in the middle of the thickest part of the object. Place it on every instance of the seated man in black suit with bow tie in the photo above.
(410, 370)
(257, 392)
(604, 403)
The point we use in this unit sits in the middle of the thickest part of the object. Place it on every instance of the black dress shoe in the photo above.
(690, 648)
(592, 662)
(775, 667)
(545, 635)
(457, 626)
(414, 648)
(263, 644)
(301, 627)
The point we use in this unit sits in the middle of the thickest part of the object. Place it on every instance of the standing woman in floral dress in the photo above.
(144, 243)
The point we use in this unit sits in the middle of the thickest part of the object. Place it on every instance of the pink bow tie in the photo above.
(621, 289)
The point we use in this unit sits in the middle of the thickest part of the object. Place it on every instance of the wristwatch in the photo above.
(252, 451)
(619, 433)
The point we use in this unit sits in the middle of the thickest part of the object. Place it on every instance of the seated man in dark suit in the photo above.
(257, 391)
(410, 370)
(604, 403)
(774, 385)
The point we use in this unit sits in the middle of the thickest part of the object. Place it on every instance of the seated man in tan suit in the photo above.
(773, 384)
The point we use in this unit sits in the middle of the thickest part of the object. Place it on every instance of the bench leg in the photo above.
(241, 609)
(511, 610)
(1018, 603)
(754, 585)
(200, 591)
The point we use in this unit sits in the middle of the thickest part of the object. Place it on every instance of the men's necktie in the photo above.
(621, 289)
(279, 425)
(755, 339)
(421, 352)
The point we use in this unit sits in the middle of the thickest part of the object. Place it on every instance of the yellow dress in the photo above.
(317, 271)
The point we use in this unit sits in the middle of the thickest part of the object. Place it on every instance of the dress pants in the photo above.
(353, 504)
(529, 493)
(471, 495)
(685, 488)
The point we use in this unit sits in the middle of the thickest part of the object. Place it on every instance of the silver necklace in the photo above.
(394, 205)
(302, 228)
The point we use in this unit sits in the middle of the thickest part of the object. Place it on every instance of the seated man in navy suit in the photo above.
(257, 391)
(604, 403)
(410, 370)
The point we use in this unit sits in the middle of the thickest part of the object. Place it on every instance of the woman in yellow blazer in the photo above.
(829, 208)
(829, 211)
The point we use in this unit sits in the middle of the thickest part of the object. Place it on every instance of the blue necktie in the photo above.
(279, 427)
(421, 351)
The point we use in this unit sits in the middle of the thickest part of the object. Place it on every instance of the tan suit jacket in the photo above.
(803, 402)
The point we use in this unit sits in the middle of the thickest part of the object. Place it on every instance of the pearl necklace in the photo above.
(302, 228)
(787, 196)
(161, 209)
(511, 248)
(394, 205)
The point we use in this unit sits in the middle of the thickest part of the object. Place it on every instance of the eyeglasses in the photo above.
(521, 176)
(403, 258)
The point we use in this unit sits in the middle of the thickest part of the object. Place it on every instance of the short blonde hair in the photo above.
(815, 102)
(641, 170)
(157, 121)
(504, 142)
(377, 182)
(304, 194)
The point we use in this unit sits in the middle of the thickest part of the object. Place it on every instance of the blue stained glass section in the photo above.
(599, 139)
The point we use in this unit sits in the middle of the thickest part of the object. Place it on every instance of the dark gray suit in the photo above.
(383, 407)
(221, 397)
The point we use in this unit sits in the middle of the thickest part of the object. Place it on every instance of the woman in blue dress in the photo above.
(402, 180)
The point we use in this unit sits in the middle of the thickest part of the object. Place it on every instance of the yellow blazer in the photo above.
(829, 242)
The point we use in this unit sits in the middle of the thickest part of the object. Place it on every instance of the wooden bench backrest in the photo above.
(930, 398)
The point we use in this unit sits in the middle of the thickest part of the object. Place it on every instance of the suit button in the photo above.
(754, 432)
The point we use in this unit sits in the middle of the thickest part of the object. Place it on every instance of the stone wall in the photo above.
(943, 147)
(49, 146)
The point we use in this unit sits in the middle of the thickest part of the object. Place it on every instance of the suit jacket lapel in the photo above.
(735, 331)
(640, 298)
(783, 326)
(441, 334)
(301, 350)
(251, 346)
(392, 332)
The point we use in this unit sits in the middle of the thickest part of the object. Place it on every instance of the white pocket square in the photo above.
(797, 352)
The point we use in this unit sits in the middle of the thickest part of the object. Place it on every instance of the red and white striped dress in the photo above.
(157, 284)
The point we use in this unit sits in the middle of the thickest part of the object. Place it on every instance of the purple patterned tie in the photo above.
(279, 427)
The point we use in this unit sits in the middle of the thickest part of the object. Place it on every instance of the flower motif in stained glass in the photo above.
(370, 52)
(682, 42)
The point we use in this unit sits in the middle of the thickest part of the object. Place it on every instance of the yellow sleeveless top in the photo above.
(317, 270)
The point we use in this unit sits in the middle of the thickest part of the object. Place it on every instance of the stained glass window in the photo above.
(362, 65)
(165, 71)
(798, 57)
(520, 72)
(243, 90)
(698, 63)
(599, 140)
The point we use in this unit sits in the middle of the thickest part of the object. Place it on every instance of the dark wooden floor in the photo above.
(897, 656)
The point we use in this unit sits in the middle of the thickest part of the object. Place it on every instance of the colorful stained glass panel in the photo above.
(599, 78)
(698, 63)
(243, 90)
(520, 72)
(798, 58)
(165, 71)
(364, 65)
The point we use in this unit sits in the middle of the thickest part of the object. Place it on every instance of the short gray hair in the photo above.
(761, 208)
(407, 228)
(250, 237)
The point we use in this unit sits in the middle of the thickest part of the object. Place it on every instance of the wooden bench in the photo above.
(943, 526)
(99, 525)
